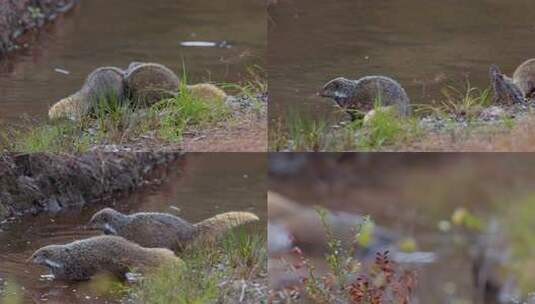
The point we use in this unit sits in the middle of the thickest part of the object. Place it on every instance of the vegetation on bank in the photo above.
(348, 280)
(122, 123)
(232, 270)
(454, 123)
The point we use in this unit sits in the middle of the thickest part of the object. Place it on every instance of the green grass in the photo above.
(210, 273)
(301, 132)
(185, 110)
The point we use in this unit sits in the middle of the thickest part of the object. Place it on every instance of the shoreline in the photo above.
(45, 182)
(21, 18)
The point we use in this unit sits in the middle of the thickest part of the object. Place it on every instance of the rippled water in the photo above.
(200, 186)
(99, 33)
(425, 45)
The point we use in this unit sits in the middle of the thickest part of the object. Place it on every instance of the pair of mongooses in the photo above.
(141, 241)
(368, 92)
(142, 83)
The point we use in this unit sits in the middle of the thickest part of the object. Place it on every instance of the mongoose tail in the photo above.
(68, 107)
(221, 223)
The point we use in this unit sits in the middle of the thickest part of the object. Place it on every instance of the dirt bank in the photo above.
(48, 182)
(18, 17)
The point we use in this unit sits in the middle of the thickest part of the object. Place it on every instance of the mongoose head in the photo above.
(108, 220)
(49, 256)
(505, 91)
(338, 89)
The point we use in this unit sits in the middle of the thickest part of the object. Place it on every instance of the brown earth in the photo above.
(18, 17)
(31, 183)
(246, 136)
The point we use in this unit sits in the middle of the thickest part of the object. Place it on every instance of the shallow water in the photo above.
(200, 186)
(100, 33)
(425, 45)
(410, 194)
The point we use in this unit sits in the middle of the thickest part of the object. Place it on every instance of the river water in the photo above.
(425, 45)
(199, 186)
(101, 33)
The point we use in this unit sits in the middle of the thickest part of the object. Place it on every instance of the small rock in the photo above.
(492, 113)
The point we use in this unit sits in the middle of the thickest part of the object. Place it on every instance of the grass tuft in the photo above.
(212, 273)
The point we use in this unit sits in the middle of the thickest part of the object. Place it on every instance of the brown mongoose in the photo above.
(291, 224)
(365, 93)
(154, 229)
(524, 78)
(102, 84)
(504, 89)
(156, 78)
(82, 259)
(148, 83)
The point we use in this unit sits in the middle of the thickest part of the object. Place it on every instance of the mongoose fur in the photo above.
(524, 78)
(154, 229)
(102, 84)
(82, 259)
(364, 93)
(505, 91)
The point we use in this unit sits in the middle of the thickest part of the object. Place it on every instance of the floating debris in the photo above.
(62, 71)
(46, 277)
(219, 44)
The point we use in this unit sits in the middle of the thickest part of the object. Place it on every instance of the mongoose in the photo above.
(524, 78)
(102, 84)
(293, 225)
(148, 83)
(80, 260)
(505, 91)
(154, 229)
(154, 79)
(363, 94)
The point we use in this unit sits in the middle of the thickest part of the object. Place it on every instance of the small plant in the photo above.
(305, 132)
(386, 128)
(466, 103)
(348, 280)
(209, 273)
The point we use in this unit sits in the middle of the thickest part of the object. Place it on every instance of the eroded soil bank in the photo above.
(20, 16)
(31, 183)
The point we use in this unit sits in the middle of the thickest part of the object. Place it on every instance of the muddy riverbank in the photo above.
(31, 183)
(17, 18)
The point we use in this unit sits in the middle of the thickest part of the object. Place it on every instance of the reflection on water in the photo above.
(99, 33)
(423, 44)
(199, 186)
(411, 194)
